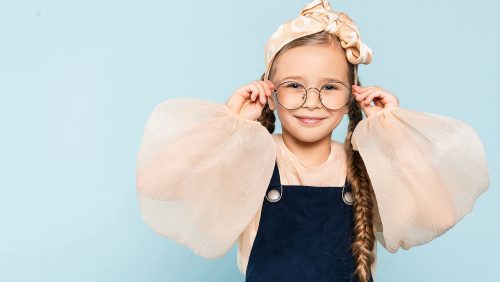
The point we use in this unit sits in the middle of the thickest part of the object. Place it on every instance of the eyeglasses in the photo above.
(292, 95)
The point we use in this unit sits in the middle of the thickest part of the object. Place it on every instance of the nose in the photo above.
(312, 101)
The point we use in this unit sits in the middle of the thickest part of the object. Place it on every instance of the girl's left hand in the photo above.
(380, 97)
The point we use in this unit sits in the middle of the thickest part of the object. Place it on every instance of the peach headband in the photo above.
(315, 17)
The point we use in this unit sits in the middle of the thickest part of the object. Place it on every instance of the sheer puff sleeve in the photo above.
(426, 171)
(202, 172)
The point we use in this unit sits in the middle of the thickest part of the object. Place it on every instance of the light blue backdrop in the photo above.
(78, 80)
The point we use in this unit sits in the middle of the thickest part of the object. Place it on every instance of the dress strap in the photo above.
(347, 185)
(275, 179)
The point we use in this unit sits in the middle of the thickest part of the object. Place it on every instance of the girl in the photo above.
(302, 206)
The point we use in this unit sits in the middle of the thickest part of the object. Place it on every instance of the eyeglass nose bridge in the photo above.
(307, 89)
(307, 95)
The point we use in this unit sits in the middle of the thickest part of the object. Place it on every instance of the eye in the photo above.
(331, 86)
(293, 85)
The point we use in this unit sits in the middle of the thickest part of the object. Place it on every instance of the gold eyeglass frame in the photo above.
(275, 93)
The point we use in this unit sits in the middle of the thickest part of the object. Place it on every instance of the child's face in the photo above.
(314, 64)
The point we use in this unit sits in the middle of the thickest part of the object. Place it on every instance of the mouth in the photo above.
(307, 120)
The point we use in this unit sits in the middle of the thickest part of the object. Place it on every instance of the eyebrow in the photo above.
(300, 77)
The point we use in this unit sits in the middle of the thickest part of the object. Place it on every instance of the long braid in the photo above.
(267, 117)
(364, 237)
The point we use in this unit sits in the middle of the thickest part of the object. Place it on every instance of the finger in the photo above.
(362, 96)
(370, 97)
(259, 90)
(364, 107)
(378, 93)
(357, 88)
(271, 84)
(359, 101)
(267, 90)
(267, 86)
(261, 94)
(250, 91)
(361, 89)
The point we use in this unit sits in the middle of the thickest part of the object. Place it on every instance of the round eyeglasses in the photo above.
(292, 95)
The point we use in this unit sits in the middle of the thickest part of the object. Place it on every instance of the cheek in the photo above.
(333, 121)
(287, 120)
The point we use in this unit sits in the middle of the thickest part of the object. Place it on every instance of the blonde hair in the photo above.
(364, 236)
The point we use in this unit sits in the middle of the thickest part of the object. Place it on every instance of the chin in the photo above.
(308, 134)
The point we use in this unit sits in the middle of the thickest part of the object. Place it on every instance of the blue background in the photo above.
(78, 80)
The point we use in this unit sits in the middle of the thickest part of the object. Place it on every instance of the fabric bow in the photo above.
(315, 17)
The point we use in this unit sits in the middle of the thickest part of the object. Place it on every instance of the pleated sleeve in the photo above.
(427, 171)
(202, 172)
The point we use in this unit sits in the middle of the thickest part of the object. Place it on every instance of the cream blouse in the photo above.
(202, 174)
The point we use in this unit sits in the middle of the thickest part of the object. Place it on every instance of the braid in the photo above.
(364, 237)
(267, 117)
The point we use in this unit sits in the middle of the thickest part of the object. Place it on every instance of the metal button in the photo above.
(348, 199)
(273, 195)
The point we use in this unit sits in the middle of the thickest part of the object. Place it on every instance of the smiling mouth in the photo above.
(309, 120)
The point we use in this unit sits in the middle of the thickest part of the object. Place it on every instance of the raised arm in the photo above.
(202, 172)
(427, 171)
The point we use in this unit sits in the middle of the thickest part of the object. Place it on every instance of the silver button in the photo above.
(273, 195)
(348, 198)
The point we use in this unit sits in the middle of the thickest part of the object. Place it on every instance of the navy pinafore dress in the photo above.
(305, 234)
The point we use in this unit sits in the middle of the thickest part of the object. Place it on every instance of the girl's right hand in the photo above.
(249, 100)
